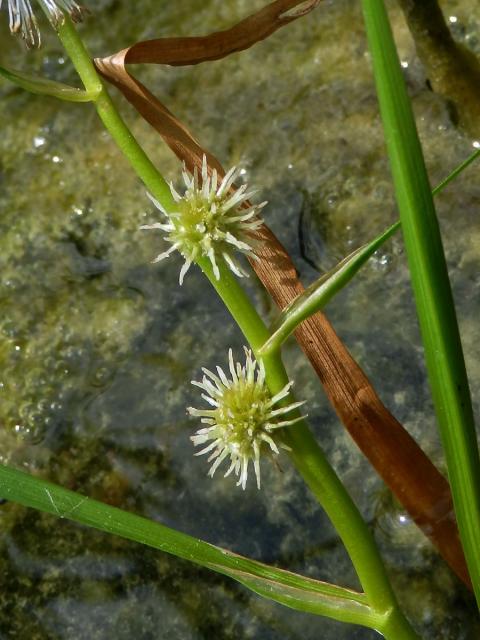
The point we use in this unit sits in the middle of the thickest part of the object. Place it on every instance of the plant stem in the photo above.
(396, 627)
(110, 117)
(457, 171)
(306, 454)
(312, 464)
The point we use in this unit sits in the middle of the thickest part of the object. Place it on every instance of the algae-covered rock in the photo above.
(98, 346)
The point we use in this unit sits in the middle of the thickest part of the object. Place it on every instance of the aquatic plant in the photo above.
(255, 408)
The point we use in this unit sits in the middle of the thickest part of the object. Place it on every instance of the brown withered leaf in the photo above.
(193, 50)
(190, 51)
(398, 459)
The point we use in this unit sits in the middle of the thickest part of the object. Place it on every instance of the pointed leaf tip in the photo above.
(47, 87)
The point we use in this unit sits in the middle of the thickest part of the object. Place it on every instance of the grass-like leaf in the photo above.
(431, 285)
(289, 589)
(316, 296)
(46, 87)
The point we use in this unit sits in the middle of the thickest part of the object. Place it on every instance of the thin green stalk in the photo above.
(46, 87)
(457, 171)
(306, 454)
(312, 464)
(396, 626)
(318, 294)
(431, 285)
(110, 117)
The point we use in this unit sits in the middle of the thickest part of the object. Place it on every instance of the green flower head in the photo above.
(243, 419)
(209, 221)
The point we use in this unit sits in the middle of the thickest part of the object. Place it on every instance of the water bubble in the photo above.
(61, 366)
(74, 356)
(381, 259)
(9, 329)
(32, 432)
(25, 410)
(39, 141)
(394, 523)
(56, 406)
(332, 199)
(42, 406)
(101, 376)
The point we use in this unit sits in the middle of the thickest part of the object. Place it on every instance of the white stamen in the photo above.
(210, 222)
(244, 420)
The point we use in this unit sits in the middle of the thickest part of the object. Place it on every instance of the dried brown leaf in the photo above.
(398, 459)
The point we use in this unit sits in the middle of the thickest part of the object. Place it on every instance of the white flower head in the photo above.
(22, 18)
(243, 419)
(210, 221)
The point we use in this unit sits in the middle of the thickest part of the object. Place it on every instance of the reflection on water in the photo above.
(98, 346)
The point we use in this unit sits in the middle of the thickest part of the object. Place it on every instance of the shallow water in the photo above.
(98, 346)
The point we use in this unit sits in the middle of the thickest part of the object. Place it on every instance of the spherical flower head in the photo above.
(22, 18)
(244, 419)
(210, 221)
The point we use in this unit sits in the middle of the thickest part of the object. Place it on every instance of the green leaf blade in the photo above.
(330, 602)
(318, 294)
(46, 87)
(289, 589)
(431, 285)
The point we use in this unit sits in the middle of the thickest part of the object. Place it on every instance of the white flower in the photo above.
(210, 221)
(242, 419)
(22, 18)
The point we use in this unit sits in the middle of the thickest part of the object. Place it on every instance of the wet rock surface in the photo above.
(98, 346)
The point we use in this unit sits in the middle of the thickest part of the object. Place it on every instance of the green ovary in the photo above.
(198, 227)
(243, 412)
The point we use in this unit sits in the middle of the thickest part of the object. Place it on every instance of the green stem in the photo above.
(457, 171)
(311, 462)
(396, 627)
(110, 117)
(306, 454)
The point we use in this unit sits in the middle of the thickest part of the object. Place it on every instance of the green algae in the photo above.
(98, 346)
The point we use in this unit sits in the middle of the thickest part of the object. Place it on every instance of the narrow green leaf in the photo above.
(46, 87)
(290, 589)
(348, 609)
(457, 171)
(431, 285)
(316, 296)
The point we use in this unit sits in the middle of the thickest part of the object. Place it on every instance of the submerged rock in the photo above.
(98, 346)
